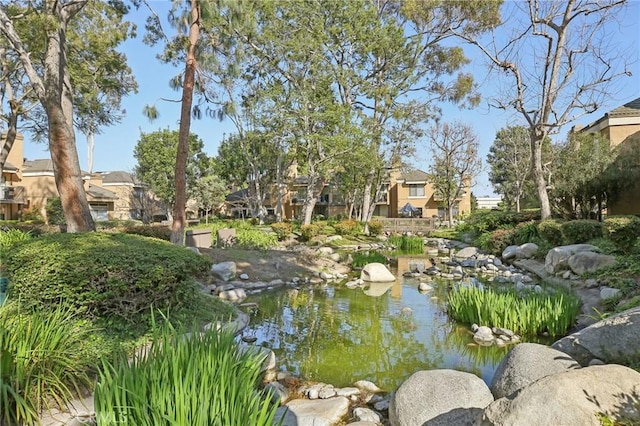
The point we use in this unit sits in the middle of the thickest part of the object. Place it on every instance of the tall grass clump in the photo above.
(12, 236)
(407, 244)
(201, 380)
(361, 259)
(42, 362)
(530, 314)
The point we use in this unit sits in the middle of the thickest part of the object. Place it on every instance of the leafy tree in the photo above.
(58, 51)
(510, 161)
(156, 155)
(455, 162)
(559, 64)
(209, 192)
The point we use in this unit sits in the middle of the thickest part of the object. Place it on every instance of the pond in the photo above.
(385, 333)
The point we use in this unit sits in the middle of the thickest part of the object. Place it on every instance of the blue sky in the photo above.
(114, 146)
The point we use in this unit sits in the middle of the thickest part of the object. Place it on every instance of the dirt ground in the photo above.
(267, 265)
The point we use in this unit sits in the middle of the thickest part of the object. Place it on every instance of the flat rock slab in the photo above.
(317, 412)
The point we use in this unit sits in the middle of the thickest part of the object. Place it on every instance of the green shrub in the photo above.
(55, 215)
(550, 230)
(531, 314)
(375, 227)
(580, 231)
(154, 231)
(347, 227)
(407, 244)
(624, 231)
(206, 379)
(495, 242)
(42, 364)
(482, 221)
(307, 232)
(31, 215)
(11, 236)
(114, 276)
(525, 232)
(254, 238)
(282, 230)
(361, 259)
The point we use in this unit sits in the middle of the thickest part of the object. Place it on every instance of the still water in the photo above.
(383, 333)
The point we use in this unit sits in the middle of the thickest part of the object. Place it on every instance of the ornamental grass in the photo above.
(204, 379)
(529, 314)
(407, 244)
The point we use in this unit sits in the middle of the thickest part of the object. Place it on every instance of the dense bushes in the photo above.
(157, 231)
(375, 227)
(347, 227)
(551, 230)
(248, 236)
(307, 232)
(580, 231)
(206, 379)
(495, 242)
(103, 275)
(282, 230)
(624, 231)
(483, 221)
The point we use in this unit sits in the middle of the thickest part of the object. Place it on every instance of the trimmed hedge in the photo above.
(581, 231)
(347, 227)
(375, 227)
(623, 231)
(551, 230)
(103, 275)
(307, 232)
(282, 230)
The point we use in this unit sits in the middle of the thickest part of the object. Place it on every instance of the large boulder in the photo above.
(467, 252)
(558, 258)
(526, 363)
(225, 271)
(317, 412)
(587, 261)
(439, 397)
(573, 397)
(527, 251)
(376, 272)
(615, 339)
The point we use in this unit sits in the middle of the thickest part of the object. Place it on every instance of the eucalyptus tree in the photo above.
(509, 160)
(455, 163)
(71, 75)
(559, 62)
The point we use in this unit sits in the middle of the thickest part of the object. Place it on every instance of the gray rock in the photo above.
(225, 271)
(526, 363)
(527, 251)
(349, 391)
(596, 361)
(244, 276)
(558, 258)
(326, 275)
(484, 334)
(319, 412)
(591, 283)
(510, 252)
(382, 405)
(233, 295)
(279, 393)
(325, 251)
(583, 262)
(467, 252)
(327, 392)
(425, 287)
(439, 397)
(573, 397)
(608, 293)
(362, 423)
(367, 415)
(376, 272)
(615, 339)
(367, 386)
(496, 261)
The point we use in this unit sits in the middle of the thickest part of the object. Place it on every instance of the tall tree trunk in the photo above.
(58, 105)
(177, 228)
(538, 173)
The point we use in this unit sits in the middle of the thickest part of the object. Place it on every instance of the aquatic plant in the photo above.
(361, 259)
(528, 314)
(407, 244)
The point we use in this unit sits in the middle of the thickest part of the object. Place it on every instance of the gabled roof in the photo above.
(96, 192)
(238, 195)
(119, 177)
(38, 166)
(629, 109)
(9, 168)
(415, 176)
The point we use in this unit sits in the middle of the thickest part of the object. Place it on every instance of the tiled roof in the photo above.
(414, 176)
(119, 177)
(100, 193)
(38, 166)
(629, 109)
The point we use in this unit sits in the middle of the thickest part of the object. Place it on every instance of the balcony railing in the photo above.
(12, 194)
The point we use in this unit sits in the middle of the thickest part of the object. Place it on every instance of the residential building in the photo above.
(30, 184)
(488, 203)
(622, 127)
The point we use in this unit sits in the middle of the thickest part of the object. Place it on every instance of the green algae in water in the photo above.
(338, 335)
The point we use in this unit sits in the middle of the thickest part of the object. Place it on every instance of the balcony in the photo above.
(12, 195)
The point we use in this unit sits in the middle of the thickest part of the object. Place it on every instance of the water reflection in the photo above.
(338, 335)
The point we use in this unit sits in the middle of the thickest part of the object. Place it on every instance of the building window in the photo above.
(416, 190)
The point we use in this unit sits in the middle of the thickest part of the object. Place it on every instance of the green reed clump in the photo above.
(407, 244)
(529, 314)
(201, 380)
(361, 259)
(42, 362)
